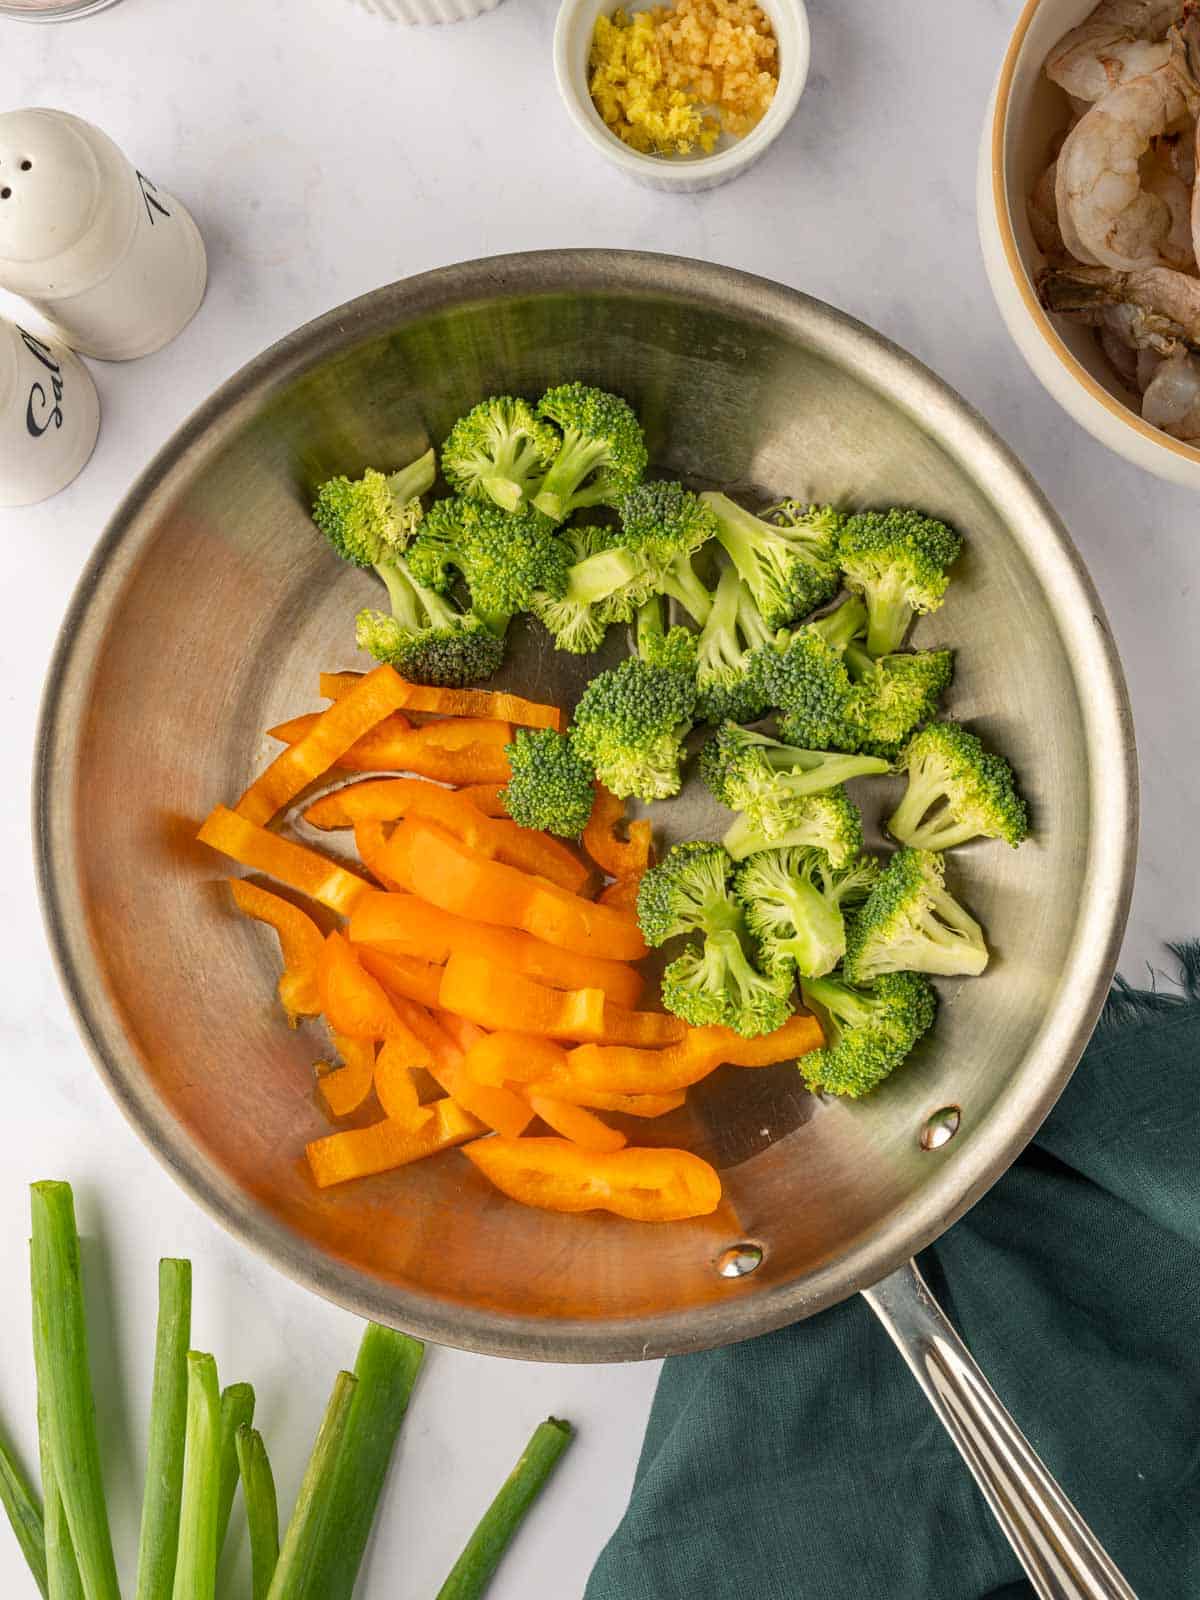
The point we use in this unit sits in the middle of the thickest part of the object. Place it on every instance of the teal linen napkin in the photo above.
(806, 1465)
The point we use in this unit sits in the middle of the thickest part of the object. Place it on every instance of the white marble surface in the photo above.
(324, 152)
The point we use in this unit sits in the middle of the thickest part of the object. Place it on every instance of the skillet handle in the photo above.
(1060, 1554)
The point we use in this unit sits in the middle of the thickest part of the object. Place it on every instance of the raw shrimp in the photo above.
(1177, 152)
(1043, 216)
(1106, 216)
(1121, 39)
(1172, 398)
(1161, 180)
(1165, 305)
(1148, 363)
(1114, 341)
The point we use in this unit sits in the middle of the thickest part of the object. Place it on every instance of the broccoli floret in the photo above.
(795, 905)
(499, 451)
(807, 680)
(895, 694)
(426, 637)
(763, 777)
(373, 519)
(668, 524)
(671, 648)
(899, 561)
(602, 454)
(787, 558)
(716, 982)
(551, 787)
(911, 923)
(602, 569)
(957, 790)
(868, 1032)
(631, 722)
(730, 662)
(505, 558)
(829, 822)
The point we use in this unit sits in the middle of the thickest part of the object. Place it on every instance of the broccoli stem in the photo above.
(888, 617)
(819, 770)
(739, 533)
(818, 941)
(25, 1516)
(159, 1539)
(718, 645)
(651, 624)
(596, 577)
(66, 1405)
(414, 480)
(843, 1004)
(560, 491)
(924, 818)
(262, 1508)
(952, 932)
(402, 595)
(839, 627)
(681, 583)
(753, 629)
(473, 1570)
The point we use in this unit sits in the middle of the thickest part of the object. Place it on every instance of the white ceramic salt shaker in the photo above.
(114, 263)
(49, 416)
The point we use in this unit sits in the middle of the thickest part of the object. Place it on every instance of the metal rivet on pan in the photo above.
(739, 1259)
(940, 1128)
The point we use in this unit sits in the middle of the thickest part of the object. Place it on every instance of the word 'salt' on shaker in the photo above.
(49, 416)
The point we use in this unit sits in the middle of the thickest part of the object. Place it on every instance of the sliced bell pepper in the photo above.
(496, 998)
(354, 1002)
(441, 869)
(621, 1070)
(359, 1152)
(485, 797)
(403, 975)
(344, 1088)
(620, 858)
(389, 799)
(622, 893)
(576, 1123)
(402, 924)
(459, 702)
(444, 1060)
(628, 1105)
(395, 1085)
(451, 752)
(643, 1185)
(370, 840)
(509, 1057)
(647, 1030)
(374, 697)
(313, 874)
(300, 942)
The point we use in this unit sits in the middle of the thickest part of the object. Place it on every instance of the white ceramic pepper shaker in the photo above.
(114, 263)
(49, 416)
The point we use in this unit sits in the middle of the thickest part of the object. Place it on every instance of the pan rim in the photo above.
(1108, 882)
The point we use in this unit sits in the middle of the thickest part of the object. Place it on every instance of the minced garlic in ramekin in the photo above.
(677, 76)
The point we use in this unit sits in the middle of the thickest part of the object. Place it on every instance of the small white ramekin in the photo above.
(421, 13)
(682, 174)
(1026, 110)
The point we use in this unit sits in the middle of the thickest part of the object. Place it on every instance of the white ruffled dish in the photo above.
(423, 13)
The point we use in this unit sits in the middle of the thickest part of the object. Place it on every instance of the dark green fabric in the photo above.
(806, 1465)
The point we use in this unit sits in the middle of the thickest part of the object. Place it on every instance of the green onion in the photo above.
(262, 1508)
(237, 1407)
(386, 1370)
(67, 1406)
(25, 1515)
(62, 1572)
(196, 1566)
(159, 1539)
(474, 1568)
(294, 1573)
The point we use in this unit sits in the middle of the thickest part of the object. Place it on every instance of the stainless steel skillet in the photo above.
(204, 617)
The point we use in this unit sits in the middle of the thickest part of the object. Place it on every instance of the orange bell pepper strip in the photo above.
(402, 924)
(445, 1061)
(395, 1085)
(485, 797)
(510, 1057)
(355, 1003)
(620, 858)
(578, 1124)
(344, 1088)
(300, 942)
(431, 863)
(370, 840)
(647, 1030)
(403, 975)
(459, 702)
(496, 998)
(450, 752)
(621, 1070)
(389, 799)
(313, 874)
(627, 1105)
(645, 1185)
(335, 731)
(622, 893)
(359, 1152)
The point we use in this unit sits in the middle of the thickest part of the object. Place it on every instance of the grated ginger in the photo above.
(670, 79)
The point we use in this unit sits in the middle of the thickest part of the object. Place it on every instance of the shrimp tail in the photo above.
(1080, 288)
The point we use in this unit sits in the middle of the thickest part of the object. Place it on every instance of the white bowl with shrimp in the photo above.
(1027, 115)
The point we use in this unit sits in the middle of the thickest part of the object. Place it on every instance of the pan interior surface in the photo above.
(211, 606)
